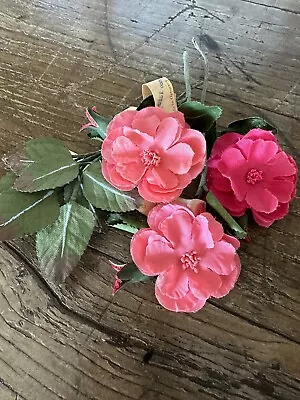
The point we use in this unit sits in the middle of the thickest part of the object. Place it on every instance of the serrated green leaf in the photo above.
(131, 273)
(102, 194)
(200, 116)
(26, 213)
(147, 102)
(7, 181)
(243, 126)
(49, 165)
(61, 245)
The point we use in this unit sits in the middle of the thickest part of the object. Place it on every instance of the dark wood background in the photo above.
(79, 342)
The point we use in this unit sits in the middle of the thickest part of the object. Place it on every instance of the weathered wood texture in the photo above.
(76, 341)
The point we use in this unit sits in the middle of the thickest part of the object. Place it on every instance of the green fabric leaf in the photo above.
(134, 219)
(26, 213)
(6, 182)
(61, 245)
(243, 221)
(217, 206)
(96, 128)
(147, 102)
(200, 116)
(93, 133)
(131, 273)
(103, 195)
(125, 227)
(51, 165)
(16, 161)
(243, 126)
(71, 190)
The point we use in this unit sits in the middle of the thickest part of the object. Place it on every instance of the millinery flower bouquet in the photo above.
(165, 173)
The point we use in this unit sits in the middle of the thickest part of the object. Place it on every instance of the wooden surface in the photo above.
(78, 342)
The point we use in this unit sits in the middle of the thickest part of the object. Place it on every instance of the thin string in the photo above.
(187, 94)
(206, 69)
(186, 73)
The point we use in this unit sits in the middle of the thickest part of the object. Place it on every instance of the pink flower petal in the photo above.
(196, 169)
(139, 139)
(266, 220)
(124, 151)
(188, 303)
(197, 143)
(215, 228)
(116, 267)
(177, 228)
(231, 160)
(261, 199)
(161, 212)
(201, 236)
(148, 125)
(245, 145)
(112, 176)
(138, 246)
(228, 281)
(262, 152)
(160, 256)
(232, 240)
(223, 142)
(179, 116)
(132, 172)
(117, 285)
(258, 133)
(229, 201)
(125, 118)
(173, 283)
(161, 176)
(195, 205)
(167, 133)
(220, 259)
(106, 150)
(204, 283)
(149, 112)
(281, 165)
(178, 158)
(282, 188)
(218, 181)
(184, 180)
(151, 193)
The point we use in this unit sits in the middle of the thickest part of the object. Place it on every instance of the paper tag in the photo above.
(163, 93)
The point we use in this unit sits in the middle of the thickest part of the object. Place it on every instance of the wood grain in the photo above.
(77, 341)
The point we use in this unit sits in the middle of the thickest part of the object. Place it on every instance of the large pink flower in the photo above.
(191, 255)
(252, 171)
(154, 151)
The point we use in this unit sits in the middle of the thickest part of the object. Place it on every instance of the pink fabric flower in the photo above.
(154, 151)
(191, 255)
(252, 171)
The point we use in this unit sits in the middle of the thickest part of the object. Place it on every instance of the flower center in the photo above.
(253, 176)
(190, 260)
(150, 158)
